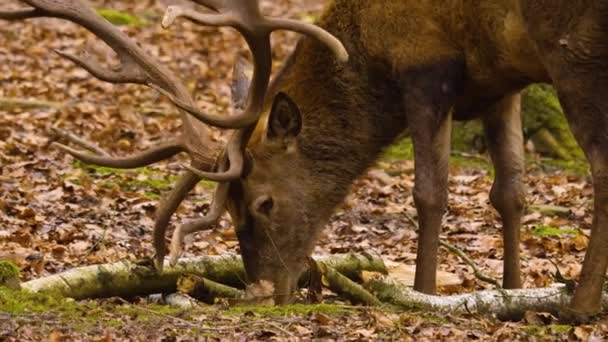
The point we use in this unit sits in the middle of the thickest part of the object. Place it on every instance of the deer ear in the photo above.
(241, 79)
(285, 118)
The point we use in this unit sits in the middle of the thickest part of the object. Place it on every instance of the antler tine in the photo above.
(215, 212)
(154, 154)
(20, 14)
(329, 40)
(167, 207)
(245, 16)
(128, 73)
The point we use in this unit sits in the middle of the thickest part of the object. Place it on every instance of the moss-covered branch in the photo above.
(127, 279)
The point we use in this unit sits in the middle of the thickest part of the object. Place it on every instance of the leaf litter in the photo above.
(56, 213)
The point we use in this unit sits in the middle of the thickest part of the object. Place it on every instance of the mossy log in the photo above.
(544, 124)
(9, 275)
(127, 279)
(505, 304)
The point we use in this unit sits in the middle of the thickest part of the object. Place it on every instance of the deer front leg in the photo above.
(431, 132)
(503, 130)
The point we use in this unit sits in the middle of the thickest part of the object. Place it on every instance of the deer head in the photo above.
(227, 165)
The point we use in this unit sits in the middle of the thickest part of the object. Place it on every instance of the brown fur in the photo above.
(420, 64)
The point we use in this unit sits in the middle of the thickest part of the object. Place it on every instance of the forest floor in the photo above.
(56, 213)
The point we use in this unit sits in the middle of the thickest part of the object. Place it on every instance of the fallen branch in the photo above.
(205, 290)
(462, 255)
(505, 304)
(476, 271)
(126, 279)
(345, 287)
(8, 103)
(551, 210)
(78, 141)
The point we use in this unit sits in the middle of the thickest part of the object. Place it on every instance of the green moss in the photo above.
(120, 18)
(160, 184)
(549, 231)
(81, 316)
(132, 179)
(205, 184)
(151, 195)
(404, 150)
(560, 328)
(541, 110)
(549, 330)
(575, 167)
(401, 150)
(8, 270)
(148, 312)
(287, 310)
(23, 302)
(533, 330)
(468, 137)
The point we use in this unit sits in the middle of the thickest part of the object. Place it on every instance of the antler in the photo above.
(245, 16)
(138, 67)
(135, 67)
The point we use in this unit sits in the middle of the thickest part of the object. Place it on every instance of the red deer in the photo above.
(416, 64)
(421, 64)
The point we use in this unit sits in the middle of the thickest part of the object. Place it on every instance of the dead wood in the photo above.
(127, 279)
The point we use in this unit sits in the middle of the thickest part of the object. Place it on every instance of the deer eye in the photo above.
(263, 206)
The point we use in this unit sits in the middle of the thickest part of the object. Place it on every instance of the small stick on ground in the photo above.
(78, 141)
(8, 103)
(462, 255)
(205, 290)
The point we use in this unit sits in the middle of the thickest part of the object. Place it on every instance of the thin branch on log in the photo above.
(505, 304)
(127, 279)
(205, 290)
(478, 274)
(462, 255)
(345, 287)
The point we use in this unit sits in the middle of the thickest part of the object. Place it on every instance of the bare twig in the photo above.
(462, 255)
(70, 137)
(7, 103)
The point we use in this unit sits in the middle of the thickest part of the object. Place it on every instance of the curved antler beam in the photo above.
(236, 161)
(215, 212)
(209, 19)
(247, 19)
(333, 43)
(145, 158)
(20, 14)
(125, 73)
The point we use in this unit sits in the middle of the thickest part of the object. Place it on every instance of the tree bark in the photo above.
(506, 304)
